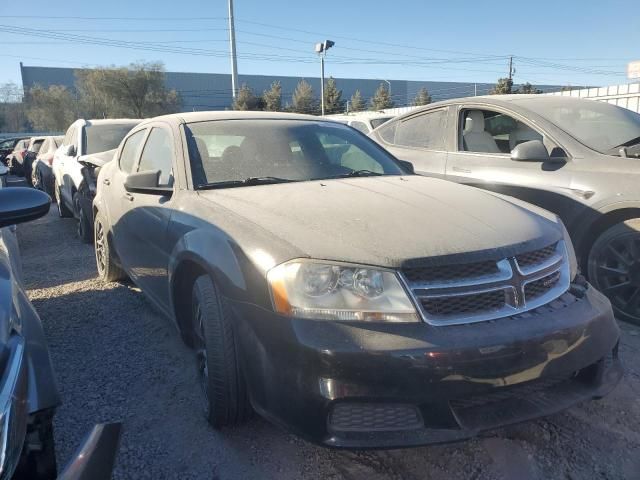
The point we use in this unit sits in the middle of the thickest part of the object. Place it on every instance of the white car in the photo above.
(83, 139)
(366, 122)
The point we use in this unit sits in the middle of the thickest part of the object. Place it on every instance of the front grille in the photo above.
(364, 417)
(536, 257)
(464, 304)
(540, 287)
(489, 290)
(447, 273)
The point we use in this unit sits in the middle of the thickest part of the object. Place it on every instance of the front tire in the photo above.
(614, 268)
(223, 385)
(83, 226)
(108, 270)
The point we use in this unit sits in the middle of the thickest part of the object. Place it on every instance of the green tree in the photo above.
(246, 100)
(527, 88)
(333, 102)
(272, 98)
(303, 100)
(137, 90)
(381, 99)
(51, 109)
(357, 104)
(12, 108)
(503, 87)
(422, 98)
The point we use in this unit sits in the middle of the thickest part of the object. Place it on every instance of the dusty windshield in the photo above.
(237, 150)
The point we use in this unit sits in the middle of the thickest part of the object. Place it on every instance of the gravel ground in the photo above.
(117, 359)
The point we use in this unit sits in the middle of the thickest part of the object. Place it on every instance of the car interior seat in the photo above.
(476, 139)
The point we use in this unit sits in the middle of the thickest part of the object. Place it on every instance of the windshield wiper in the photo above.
(246, 182)
(628, 143)
(358, 173)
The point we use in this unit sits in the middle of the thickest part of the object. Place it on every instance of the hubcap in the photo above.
(618, 273)
(80, 226)
(100, 248)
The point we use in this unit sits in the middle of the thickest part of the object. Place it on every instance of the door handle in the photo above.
(461, 170)
(106, 181)
(129, 197)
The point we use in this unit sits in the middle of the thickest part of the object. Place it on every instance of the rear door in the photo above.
(419, 139)
(546, 184)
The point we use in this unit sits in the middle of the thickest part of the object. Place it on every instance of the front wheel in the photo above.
(614, 268)
(83, 226)
(108, 270)
(225, 394)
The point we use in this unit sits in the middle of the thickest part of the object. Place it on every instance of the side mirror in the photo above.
(22, 204)
(531, 151)
(408, 166)
(70, 151)
(146, 182)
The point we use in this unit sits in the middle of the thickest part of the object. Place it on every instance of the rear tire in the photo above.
(83, 227)
(63, 210)
(108, 270)
(614, 268)
(38, 463)
(223, 385)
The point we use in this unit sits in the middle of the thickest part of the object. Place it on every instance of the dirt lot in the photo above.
(117, 359)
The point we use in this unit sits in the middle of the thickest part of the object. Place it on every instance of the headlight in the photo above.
(571, 253)
(332, 291)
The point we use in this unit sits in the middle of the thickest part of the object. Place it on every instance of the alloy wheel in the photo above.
(617, 269)
(100, 247)
(78, 210)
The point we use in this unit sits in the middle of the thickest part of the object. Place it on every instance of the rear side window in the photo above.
(130, 151)
(388, 132)
(360, 126)
(158, 155)
(423, 131)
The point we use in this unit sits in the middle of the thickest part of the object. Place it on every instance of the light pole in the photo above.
(388, 89)
(321, 49)
(232, 46)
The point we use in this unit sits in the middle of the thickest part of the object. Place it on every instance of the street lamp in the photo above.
(321, 49)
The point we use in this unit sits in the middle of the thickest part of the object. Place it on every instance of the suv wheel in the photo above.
(108, 271)
(36, 180)
(38, 458)
(225, 394)
(83, 227)
(614, 268)
(63, 210)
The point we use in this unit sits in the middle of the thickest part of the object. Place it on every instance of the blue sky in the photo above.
(554, 42)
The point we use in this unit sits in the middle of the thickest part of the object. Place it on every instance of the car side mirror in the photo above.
(71, 151)
(146, 182)
(531, 151)
(408, 166)
(22, 204)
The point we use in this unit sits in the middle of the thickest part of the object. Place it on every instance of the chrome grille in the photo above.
(490, 290)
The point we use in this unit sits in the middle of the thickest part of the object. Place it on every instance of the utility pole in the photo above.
(511, 70)
(232, 45)
(321, 49)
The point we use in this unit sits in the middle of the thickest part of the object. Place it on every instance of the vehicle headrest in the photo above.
(474, 122)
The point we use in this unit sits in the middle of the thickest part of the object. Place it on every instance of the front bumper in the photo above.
(13, 405)
(359, 385)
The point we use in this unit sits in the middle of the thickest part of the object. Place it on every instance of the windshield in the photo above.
(100, 138)
(376, 122)
(281, 150)
(598, 125)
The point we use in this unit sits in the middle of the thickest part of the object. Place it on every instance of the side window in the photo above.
(423, 131)
(388, 132)
(130, 151)
(360, 126)
(486, 131)
(158, 155)
(340, 152)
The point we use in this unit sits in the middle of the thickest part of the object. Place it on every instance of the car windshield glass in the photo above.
(598, 125)
(249, 152)
(376, 122)
(100, 138)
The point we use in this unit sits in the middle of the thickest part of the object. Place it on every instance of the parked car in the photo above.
(363, 121)
(15, 158)
(577, 158)
(342, 297)
(28, 391)
(83, 139)
(41, 172)
(35, 144)
(6, 147)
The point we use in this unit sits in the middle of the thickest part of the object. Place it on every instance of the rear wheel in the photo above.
(63, 210)
(614, 268)
(108, 270)
(36, 179)
(83, 226)
(225, 394)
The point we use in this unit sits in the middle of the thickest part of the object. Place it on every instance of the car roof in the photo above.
(112, 121)
(191, 117)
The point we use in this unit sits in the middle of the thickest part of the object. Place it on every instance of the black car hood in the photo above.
(389, 220)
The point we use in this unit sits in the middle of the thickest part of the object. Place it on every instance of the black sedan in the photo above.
(324, 285)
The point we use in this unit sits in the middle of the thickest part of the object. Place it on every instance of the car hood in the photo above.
(390, 220)
(98, 159)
